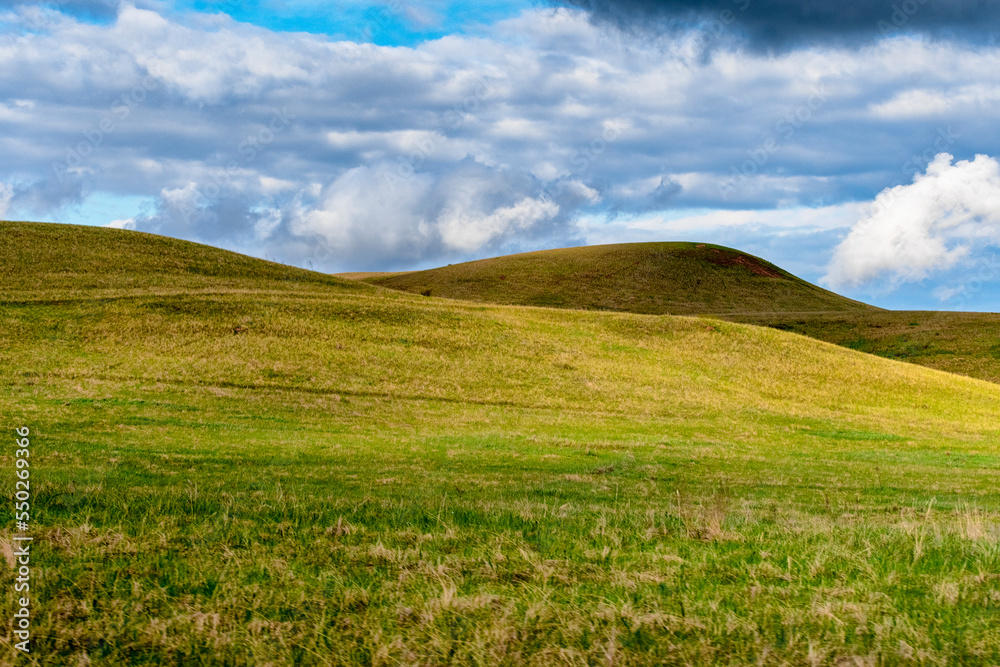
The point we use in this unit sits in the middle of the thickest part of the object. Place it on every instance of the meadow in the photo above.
(236, 462)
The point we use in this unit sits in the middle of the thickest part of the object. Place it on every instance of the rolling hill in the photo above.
(702, 279)
(236, 462)
(648, 278)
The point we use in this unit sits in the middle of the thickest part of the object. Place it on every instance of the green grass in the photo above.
(648, 278)
(368, 477)
(965, 343)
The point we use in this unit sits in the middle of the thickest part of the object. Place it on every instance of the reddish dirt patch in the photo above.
(720, 258)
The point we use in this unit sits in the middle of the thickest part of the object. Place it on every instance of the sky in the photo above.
(854, 143)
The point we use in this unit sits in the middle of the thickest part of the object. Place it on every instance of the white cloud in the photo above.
(231, 60)
(122, 224)
(467, 231)
(378, 209)
(684, 222)
(926, 103)
(6, 194)
(368, 207)
(911, 231)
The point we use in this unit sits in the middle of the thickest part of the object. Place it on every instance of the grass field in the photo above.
(240, 463)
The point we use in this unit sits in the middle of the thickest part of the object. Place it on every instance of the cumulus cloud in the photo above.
(379, 213)
(930, 225)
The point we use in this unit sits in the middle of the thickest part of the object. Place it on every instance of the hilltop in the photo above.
(648, 278)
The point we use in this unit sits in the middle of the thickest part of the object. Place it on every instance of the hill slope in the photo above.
(650, 278)
(307, 472)
(74, 259)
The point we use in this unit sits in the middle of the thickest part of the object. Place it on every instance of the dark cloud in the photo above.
(786, 23)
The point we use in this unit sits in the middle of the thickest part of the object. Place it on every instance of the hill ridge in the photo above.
(669, 278)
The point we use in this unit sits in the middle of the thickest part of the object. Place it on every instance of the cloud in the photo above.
(44, 194)
(912, 231)
(91, 10)
(789, 23)
(6, 194)
(378, 213)
(121, 224)
(915, 103)
(283, 143)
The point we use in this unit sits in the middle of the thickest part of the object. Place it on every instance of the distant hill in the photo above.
(74, 258)
(649, 278)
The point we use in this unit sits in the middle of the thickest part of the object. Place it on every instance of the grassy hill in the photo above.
(266, 466)
(649, 278)
(702, 279)
(964, 343)
(68, 259)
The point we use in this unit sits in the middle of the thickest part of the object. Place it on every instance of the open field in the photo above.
(240, 463)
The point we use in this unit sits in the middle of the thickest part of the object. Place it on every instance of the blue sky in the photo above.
(857, 149)
(392, 23)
